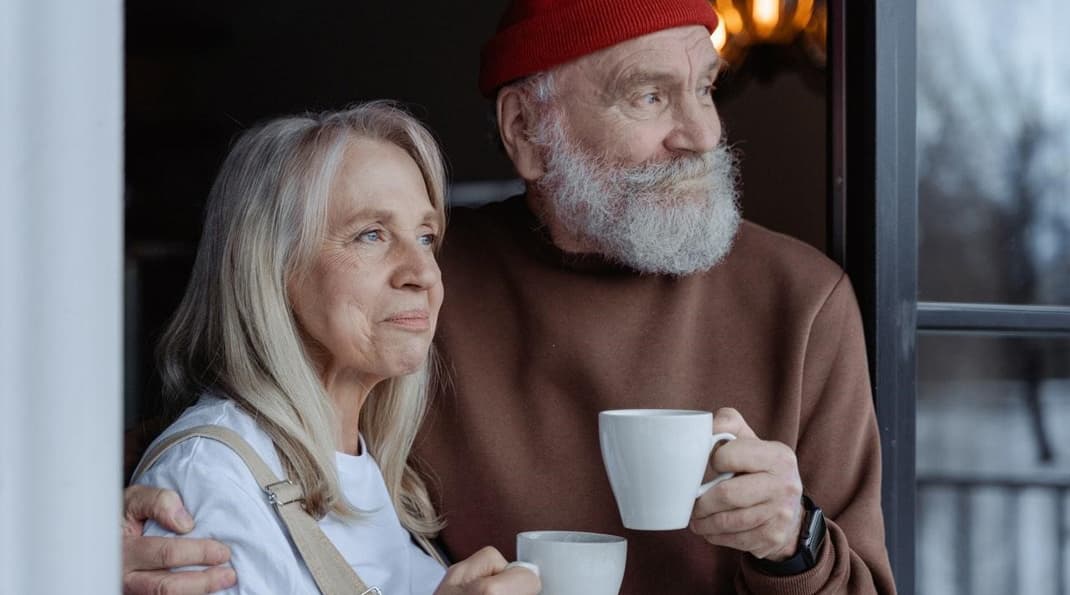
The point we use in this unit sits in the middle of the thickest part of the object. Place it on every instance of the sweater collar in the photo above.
(537, 237)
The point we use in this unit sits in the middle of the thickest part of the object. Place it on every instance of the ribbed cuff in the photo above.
(805, 583)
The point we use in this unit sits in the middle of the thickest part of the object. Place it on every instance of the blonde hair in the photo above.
(235, 333)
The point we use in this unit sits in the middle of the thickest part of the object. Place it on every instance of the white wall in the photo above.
(60, 300)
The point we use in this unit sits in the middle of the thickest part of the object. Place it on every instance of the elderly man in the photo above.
(624, 277)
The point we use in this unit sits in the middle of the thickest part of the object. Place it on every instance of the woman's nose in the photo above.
(416, 266)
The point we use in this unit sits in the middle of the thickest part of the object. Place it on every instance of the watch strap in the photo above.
(808, 551)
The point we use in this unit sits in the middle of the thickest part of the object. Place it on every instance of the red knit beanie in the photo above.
(536, 35)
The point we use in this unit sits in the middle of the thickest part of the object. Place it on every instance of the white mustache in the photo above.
(624, 210)
(666, 174)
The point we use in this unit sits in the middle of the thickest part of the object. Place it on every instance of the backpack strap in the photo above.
(333, 575)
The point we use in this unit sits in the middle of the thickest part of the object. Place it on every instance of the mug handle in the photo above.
(714, 441)
(519, 564)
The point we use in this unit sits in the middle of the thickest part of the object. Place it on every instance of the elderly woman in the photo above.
(306, 329)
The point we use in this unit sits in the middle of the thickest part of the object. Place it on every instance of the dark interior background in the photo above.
(198, 72)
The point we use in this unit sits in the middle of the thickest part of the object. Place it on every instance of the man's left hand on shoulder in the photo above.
(758, 511)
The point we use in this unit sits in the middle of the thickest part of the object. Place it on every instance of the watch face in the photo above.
(814, 531)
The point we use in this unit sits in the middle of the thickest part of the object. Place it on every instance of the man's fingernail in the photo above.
(219, 553)
(227, 579)
(183, 520)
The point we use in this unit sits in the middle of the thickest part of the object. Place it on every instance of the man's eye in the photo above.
(428, 239)
(651, 99)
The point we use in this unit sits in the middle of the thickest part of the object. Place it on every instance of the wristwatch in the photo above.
(811, 538)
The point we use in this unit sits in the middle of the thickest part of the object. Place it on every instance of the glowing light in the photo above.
(766, 14)
(803, 11)
(719, 36)
(733, 21)
(743, 24)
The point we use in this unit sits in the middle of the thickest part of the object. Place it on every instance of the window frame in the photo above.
(874, 221)
(873, 233)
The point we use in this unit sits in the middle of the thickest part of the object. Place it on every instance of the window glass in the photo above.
(993, 150)
(993, 465)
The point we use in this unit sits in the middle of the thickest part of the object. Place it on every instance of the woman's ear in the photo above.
(514, 126)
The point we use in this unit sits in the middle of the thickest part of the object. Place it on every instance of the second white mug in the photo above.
(574, 562)
(655, 459)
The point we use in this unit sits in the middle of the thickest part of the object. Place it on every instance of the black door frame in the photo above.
(873, 228)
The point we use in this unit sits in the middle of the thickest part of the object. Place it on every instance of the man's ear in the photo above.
(514, 126)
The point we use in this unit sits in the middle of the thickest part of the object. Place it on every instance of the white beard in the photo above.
(675, 217)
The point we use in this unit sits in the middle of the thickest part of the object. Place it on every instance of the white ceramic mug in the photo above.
(655, 459)
(574, 562)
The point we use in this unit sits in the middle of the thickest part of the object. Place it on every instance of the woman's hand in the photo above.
(484, 573)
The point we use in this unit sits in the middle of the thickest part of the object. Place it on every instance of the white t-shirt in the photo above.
(229, 506)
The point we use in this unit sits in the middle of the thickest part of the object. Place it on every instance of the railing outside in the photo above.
(1029, 552)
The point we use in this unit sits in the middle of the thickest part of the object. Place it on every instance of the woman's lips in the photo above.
(416, 320)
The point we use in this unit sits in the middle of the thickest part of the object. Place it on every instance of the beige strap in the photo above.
(333, 575)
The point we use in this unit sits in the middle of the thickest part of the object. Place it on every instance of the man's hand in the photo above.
(484, 573)
(759, 510)
(147, 560)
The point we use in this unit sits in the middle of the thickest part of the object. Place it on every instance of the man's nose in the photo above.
(696, 127)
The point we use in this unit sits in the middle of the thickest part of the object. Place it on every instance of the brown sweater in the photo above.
(537, 344)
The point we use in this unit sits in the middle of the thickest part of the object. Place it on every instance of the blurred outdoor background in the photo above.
(993, 412)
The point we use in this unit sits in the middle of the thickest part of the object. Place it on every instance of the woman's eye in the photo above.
(372, 235)
(428, 239)
(651, 99)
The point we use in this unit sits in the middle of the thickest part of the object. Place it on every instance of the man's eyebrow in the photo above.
(715, 67)
(629, 81)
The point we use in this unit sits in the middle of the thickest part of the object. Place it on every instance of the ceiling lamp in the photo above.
(746, 23)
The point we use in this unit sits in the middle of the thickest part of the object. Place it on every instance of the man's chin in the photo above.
(683, 197)
(692, 192)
